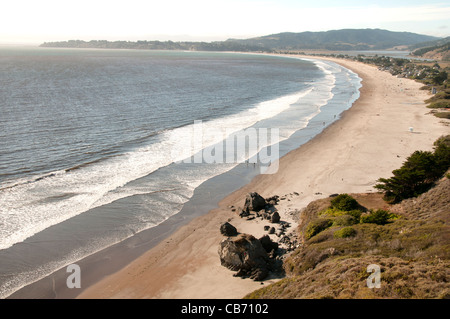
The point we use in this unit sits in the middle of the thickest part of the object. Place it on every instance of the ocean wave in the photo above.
(25, 211)
(31, 207)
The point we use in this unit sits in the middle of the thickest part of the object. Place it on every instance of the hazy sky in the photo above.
(38, 21)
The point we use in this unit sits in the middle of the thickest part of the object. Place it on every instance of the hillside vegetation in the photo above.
(341, 236)
(347, 39)
(418, 173)
(437, 50)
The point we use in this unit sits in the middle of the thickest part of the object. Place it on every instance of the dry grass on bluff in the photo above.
(410, 241)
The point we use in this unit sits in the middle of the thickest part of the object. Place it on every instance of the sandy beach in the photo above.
(368, 142)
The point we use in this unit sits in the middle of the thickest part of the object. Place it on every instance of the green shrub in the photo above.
(345, 220)
(442, 95)
(440, 78)
(344, 202)
(379, 217)
(442, 155)
(356, 213)
(332, 212)
(416, 176)
(439, 104)
(344, 211)
(316, 226)
(345, 232)
(442, 115)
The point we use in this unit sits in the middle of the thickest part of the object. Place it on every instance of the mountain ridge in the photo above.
(344, 39)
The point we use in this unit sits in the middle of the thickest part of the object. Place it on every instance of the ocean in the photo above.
(99, 145)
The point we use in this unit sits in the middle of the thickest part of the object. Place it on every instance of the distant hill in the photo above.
(436, 42)
(348, 39)
(437, 50)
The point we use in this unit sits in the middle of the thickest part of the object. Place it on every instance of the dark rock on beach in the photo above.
(273, 200)
(254, 202)
(227, 229)
(275, 217)
(268, 244)
(244, 213)
(246, 255)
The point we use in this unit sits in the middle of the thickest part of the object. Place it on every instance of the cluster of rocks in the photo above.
(289, 241)
(251, 257)
(258, 206)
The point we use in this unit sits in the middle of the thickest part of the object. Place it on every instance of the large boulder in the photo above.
(254, 202)
(246, 255)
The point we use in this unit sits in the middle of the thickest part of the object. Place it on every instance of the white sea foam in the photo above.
(29, 208)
